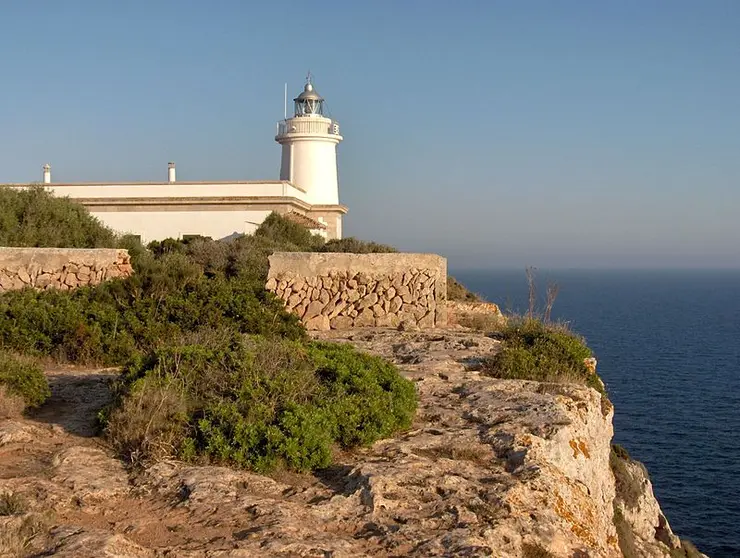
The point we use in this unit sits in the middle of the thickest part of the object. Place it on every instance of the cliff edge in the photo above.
(503, 468)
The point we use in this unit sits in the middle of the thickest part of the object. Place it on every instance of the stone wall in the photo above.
(343, 291)
(60, 268)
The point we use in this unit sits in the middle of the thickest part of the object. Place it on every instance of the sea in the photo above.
(668, 349)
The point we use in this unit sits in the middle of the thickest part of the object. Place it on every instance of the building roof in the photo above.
(304, 220)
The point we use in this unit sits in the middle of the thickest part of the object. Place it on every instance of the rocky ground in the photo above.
(490, 468)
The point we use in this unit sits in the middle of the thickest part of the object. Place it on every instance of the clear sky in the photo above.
(498, 133)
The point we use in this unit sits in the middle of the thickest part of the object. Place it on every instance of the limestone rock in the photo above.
(366, 318)
(96, 543)
(91, 473)
(18, 432)
(368, 301)
(318, 323)
(387, 320)
(341, 322)
(408, 325)
(314, 309)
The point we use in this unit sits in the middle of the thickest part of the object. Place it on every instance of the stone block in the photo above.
(318, 323)
(324, 296)
(395, 305)
(389, 320)
(341, 322)
(294, 300)
(366, 318)
(314, 309)
(368, 301)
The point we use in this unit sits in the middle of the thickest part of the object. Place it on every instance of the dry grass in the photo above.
(12, 504)
(25, 536)
(150, 424)
(11, 406)
(485, 322)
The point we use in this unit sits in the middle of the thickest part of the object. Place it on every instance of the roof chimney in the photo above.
(47, 173)
(170, 172)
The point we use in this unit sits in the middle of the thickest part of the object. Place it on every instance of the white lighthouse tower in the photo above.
(309, 141)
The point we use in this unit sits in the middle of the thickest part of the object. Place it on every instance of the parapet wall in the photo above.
(343, 291)
(60, 268)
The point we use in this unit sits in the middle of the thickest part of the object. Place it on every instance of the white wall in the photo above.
(178, 190)
(314, 169)
(158, 225)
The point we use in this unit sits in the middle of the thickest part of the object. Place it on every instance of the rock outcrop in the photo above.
(501, 468)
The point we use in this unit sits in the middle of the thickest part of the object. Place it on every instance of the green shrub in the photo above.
(112, 322)
(533, 350)
(34, 217)
(355, 246)
(365, 394)
(23, 378)
(458, 292)
(284, 231)
(256, 402)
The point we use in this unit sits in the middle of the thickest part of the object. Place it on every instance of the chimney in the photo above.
(47, 173)
(170, 172)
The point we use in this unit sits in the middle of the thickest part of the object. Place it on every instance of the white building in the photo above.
(307, 191)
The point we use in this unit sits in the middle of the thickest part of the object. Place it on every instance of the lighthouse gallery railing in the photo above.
(307, 126)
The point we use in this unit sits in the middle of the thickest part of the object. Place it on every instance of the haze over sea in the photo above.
(668, 348)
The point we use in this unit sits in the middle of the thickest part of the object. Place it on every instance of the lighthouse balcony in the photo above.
(302, 125)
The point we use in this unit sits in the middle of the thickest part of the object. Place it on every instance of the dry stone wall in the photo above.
(343, 291)
(60, 268)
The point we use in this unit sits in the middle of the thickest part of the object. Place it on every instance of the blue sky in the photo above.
(500, 134)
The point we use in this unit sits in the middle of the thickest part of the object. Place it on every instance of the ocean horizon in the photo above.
(668, 349)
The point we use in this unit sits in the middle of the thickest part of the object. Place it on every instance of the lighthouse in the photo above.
(309, 149)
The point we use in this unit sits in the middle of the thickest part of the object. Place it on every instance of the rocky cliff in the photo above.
(490, 468)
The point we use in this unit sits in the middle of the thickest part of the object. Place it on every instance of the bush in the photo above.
(256, 402)
(366, 395)
(112, 322)
(355, 246)
(458, 292)
(12, 503)
(24, 379)
(533, 350)
(34, 217)
(284, 231)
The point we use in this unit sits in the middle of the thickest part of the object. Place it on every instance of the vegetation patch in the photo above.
(256, 402)
(625, 536)
(458, 292)
(355, 246)
(534, 350)
(629, 487)
(12, 504)
(34, 217)
(215, 368)
(21, 379)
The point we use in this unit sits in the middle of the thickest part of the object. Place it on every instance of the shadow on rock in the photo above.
(76, 398)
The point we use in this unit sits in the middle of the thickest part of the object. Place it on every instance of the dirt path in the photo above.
(76, 397)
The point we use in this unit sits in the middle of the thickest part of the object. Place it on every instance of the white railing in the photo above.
(308, 125)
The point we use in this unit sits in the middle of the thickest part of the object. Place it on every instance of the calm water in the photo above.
(668, 346)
